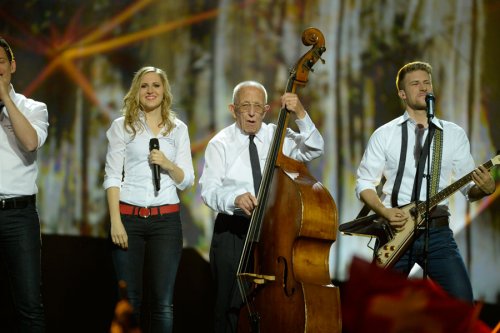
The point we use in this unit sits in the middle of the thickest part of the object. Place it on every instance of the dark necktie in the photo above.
(420, 158)
(254, 161)
(419, 133)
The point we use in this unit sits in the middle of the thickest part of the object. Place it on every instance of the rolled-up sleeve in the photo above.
(463, 162)
(115, 156)
(184, 160)
(40, 122)
(36, 113)
(306, 145)
(213, 193)
(372, 164)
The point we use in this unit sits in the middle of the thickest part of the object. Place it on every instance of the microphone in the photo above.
(155, 144)
(430, 100)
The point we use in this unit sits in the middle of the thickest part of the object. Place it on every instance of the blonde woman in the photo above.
(148, 161)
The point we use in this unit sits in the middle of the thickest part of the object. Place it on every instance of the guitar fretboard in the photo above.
(448, 191)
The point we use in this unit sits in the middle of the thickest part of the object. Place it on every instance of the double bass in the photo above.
(283, 274)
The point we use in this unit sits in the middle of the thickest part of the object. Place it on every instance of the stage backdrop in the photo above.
(79, 57)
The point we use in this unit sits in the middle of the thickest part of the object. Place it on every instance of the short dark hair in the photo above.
(411, 67)
(8, 50)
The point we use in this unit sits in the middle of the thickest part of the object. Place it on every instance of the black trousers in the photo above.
(20, 252)
(225, 252)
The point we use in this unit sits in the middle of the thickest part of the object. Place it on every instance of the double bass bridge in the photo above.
(258, 278)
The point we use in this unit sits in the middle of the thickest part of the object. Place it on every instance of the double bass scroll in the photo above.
(283, 274)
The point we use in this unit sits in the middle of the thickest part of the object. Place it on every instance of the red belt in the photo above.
(145, 212)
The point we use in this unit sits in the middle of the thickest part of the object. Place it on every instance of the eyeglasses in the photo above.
(246, 107)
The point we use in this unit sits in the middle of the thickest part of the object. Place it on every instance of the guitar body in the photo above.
(391, 244)
(387, 254)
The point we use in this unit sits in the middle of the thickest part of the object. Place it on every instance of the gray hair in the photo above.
(244, 84)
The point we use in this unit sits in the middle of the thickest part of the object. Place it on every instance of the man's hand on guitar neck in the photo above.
(396, 216)
(485, 184)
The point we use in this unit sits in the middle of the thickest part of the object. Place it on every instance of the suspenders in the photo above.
(435, 168)
(401, 166)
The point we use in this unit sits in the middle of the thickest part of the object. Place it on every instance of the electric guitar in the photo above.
(391, 243)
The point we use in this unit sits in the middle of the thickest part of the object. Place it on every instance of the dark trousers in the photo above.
(154, 252)
(225, 252)
(445, 264)
(20, 250)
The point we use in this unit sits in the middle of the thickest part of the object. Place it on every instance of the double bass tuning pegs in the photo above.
(320, 51)
(310, 64)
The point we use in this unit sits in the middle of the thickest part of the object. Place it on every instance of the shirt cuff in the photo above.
(111, 182)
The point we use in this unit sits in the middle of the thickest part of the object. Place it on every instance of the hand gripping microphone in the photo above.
(430, 100)
(155, 144)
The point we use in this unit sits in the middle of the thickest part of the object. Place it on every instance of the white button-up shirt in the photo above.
(228, 173)
(18, 168)
(382, 154)
(127, 158)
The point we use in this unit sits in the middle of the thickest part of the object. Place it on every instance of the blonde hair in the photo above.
(411, 67)
(132, 105)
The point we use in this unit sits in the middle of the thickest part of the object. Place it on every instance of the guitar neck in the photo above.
(448, 191)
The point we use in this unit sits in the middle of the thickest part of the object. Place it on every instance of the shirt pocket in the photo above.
(168, 147)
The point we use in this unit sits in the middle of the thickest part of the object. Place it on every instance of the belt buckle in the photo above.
(144, 212)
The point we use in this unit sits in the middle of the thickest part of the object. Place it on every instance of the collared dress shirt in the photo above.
(127, 158)
(18, 168)
(382, 154)
(228, 173)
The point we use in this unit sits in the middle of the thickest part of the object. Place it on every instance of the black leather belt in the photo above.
(17, 202)
(439, 222)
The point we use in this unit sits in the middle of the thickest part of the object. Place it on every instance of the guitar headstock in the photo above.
(496, 160)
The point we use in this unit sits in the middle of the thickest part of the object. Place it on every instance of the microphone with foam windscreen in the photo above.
(430, 100)
(155, 144)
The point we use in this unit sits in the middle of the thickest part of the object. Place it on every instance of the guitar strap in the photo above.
(417, 184)
(436, 163)
(437, 157)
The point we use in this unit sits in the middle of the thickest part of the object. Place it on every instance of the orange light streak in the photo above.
(115, 21)
(81, 80)
(44, 74)
(80, 52)
(497, 328)
(137, 36)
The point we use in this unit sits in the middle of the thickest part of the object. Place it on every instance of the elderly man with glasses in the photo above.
(234, 160)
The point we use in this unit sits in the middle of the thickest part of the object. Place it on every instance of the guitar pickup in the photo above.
(386, 228)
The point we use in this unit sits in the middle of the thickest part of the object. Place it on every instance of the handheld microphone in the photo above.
(155, 144)
(430, 100)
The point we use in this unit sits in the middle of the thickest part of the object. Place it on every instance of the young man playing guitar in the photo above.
(397, 151)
